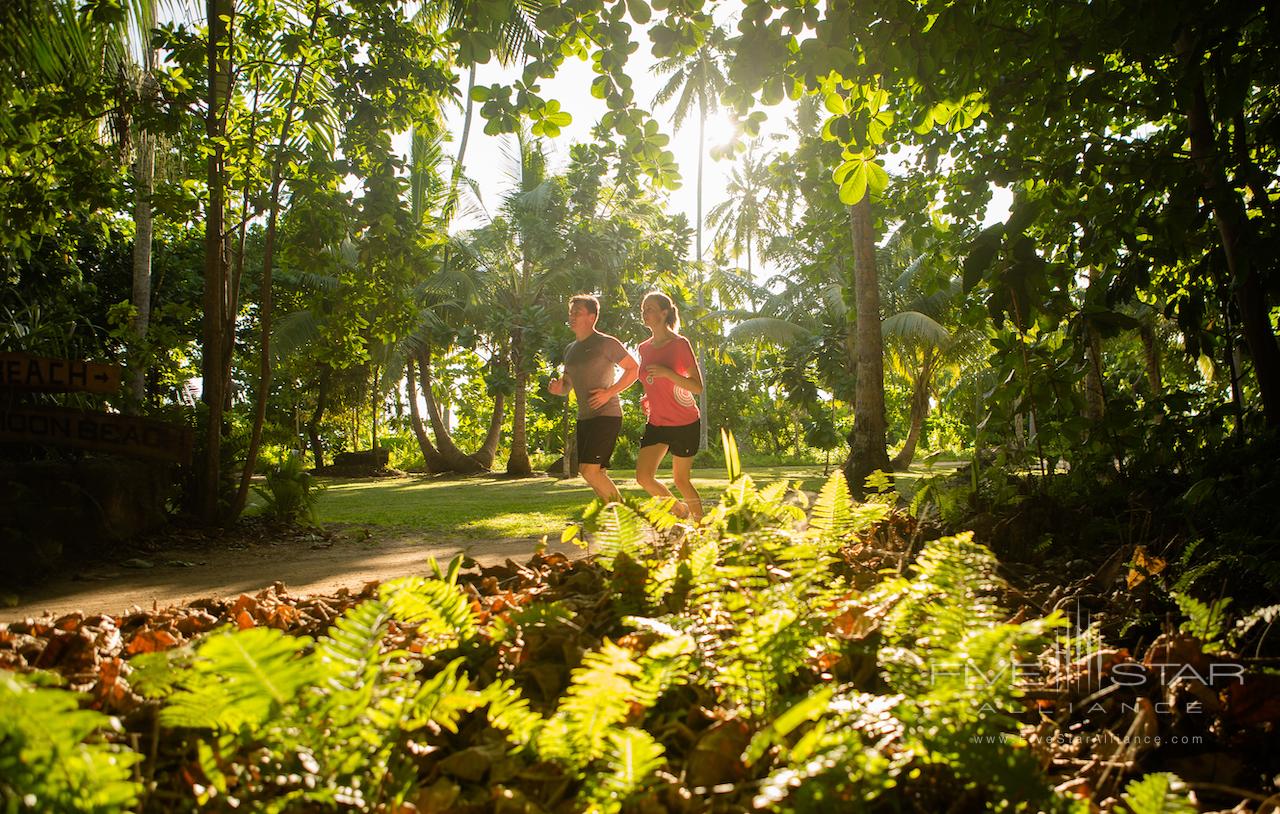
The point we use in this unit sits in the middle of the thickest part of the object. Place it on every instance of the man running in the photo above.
(589, 368)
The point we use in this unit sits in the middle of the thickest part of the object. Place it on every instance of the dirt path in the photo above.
(307, 563)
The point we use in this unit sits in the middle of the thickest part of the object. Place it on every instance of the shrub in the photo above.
(291, 492)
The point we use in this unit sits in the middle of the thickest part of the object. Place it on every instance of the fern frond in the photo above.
(508, 625)
(851, 750)
(953, 590)
(1205, 621)
(831, 519)
(621, 531)
(509, 710)
(600, 694)
(351, 652)
(443, 698)
(1157, 793)
(439, 609)
(242, 678)
(630, 759)
(49, 760)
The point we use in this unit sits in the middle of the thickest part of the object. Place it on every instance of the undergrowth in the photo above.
(738, 668)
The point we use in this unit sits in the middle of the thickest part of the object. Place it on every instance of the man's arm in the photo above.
(559, 386)
(630, 372)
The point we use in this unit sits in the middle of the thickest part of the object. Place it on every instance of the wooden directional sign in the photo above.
(27, 372)
(108, 432)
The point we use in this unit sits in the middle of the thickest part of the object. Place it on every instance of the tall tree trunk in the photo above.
(1095, 398)
(488, 451)
(313, 424)
(1151, 359)
(375, 409)
(456, 176)
(218, 13)
(919, 412)
(569, 461)
(144, 175)
(1233, 226)
(867, 446)
(703, 429)
(454, 459)
(431, 456)
(518, 458)
(268, 262)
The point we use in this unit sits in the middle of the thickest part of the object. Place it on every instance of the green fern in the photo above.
(290, 725)
(1205, 621)
(629, 762)
(441, 613)
(1157, 793)
(587, 733)
(619, 530)
(831, 520)
(240, 679)
(52, 757)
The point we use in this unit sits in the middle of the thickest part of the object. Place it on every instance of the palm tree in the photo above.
(746, 215)
(697, 80)
(918, 346)
(515, 33)
(518, 262)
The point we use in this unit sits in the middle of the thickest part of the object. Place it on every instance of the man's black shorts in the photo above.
(597, 438)
(682, 440)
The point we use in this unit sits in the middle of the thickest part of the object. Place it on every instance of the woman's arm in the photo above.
(692, 382)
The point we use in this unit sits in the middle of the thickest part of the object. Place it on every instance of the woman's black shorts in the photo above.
(682, 440)
(597, 437)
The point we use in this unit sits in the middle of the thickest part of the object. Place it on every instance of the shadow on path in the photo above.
(179, 576)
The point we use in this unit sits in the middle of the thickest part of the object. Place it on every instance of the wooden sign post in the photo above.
(107, 432)
(23, 371)
(59, 426)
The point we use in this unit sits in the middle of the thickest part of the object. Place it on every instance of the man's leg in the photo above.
(597, 477)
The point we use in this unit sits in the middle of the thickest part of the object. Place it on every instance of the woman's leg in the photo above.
(647, 476)
(647, 469)
(682, 471)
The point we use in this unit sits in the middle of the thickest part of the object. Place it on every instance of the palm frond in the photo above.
(913, 326)
(769, 329)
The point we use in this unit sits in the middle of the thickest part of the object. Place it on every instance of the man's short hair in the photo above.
(587, 301)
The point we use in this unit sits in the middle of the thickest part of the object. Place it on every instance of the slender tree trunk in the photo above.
(1151, 360)
(265, 301)
(919, 412)
(518, 459)
(313, 425)
(1237, 243)
(144, 183)
(867, 447)
(213, 364)
(704, 428)
(431, 456)
(489, 449)
(1095, 398)
(569, 460)
(456, 176)
(454, 459)
(375, 409)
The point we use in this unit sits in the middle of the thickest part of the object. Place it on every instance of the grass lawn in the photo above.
(489, 506)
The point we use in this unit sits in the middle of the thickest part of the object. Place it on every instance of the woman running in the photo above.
(671, 379)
